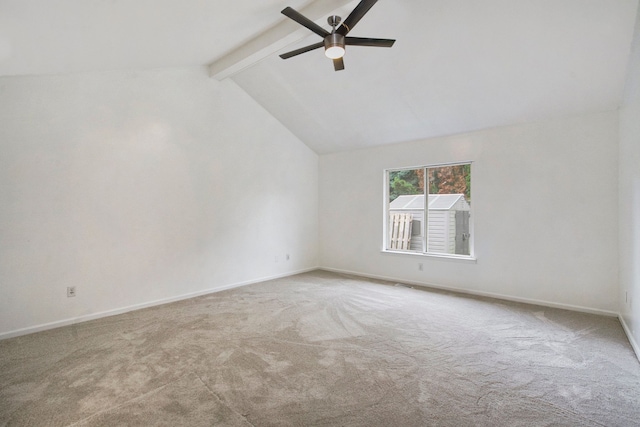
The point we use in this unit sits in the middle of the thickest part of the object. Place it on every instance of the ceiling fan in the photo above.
(335, 41)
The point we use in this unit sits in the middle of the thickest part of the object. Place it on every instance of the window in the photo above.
(428, 210)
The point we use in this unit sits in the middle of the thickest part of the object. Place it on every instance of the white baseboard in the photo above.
(93, 316)
(632, 340)
(480, 293)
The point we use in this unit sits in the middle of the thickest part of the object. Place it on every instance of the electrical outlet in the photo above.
(420, 268)
(71, 291)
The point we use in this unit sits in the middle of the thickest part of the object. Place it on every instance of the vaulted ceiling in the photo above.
(457, 65)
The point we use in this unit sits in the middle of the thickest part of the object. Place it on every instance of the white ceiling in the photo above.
(70, 36)
(457, 65)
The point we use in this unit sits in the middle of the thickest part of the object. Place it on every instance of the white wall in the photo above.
(545, 208)
(143, 186)
(630, 196)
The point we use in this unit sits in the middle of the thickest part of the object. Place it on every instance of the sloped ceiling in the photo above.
(457, 65)
(71, 36)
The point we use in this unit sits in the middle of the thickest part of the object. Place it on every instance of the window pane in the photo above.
(449, 209)
(406, 209)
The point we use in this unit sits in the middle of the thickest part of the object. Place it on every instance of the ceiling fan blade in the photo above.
(338, 64)
(304, 21)
(301, 50)
(355, 16)
(360, 41)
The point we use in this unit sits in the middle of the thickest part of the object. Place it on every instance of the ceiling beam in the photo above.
(283, 34)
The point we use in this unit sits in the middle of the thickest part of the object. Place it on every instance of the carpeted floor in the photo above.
(326, 350)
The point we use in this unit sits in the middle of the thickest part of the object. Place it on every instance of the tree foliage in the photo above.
(442, 180)
(450, 180)
(404, 182)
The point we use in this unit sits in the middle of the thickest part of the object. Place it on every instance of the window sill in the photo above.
(448, 257)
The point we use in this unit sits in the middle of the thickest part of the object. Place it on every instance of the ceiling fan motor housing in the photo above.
(334, 41)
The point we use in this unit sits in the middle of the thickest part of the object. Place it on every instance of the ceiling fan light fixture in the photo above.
(334, 46)
(335, 41)
(334, 52)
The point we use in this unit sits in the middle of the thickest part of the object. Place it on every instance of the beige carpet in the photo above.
(325, 350)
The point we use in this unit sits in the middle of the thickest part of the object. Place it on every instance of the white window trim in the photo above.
(385, 212)
(449, 257)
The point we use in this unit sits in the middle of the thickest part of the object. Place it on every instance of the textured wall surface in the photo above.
(630, 195)
(143, 186)
(545, 211)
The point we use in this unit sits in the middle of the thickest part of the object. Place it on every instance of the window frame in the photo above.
(425, 222)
